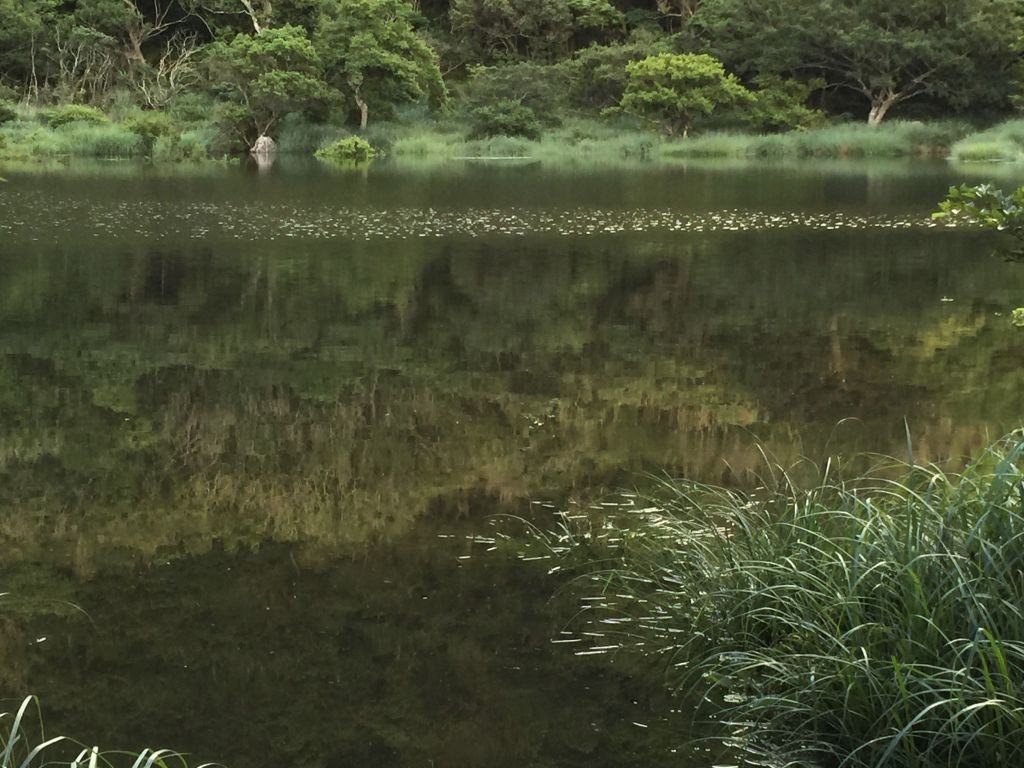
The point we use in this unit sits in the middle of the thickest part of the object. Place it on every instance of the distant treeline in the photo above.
(514, 66)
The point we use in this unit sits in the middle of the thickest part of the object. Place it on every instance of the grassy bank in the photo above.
(585, 139)
(1001, 143)
(73, 131)
(416, 136)
(426, 140)
(893, 139)
(877, 622)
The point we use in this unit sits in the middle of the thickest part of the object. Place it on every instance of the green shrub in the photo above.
(191, 107)
(780, 104)
(100, 141)
(73, 113)
(7, 112)
(878, 619)
(149, 126)
(505, 118)
(352, 149)
(192, 145)
(543, 88)
(31, 140)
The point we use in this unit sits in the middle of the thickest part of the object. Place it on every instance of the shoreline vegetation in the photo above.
(34, 136)
(651, 80)
(878, 617)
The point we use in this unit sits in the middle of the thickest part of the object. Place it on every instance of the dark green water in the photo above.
(251, 424)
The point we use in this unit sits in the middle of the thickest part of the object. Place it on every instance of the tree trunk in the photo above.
(364, 111)
(251, 13)
(35, 78)
(134, 52)
(880, 105)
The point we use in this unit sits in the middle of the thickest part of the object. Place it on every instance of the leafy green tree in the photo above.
(23, 32)
(125, 21)
(597, 74)
(780, 104)
(266, 76)
(676, 88)
(505, 118)
(888, 52)
(500, 30)
(372, 52)
(541, 87)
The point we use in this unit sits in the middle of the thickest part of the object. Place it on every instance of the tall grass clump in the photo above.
(892, 139)
(1003, 142)
(872, 622)
(431, 145)
(100, 141)
(28, 137)
(298, 136)
(192, 144)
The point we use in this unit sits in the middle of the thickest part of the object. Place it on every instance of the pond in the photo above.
(254, 428)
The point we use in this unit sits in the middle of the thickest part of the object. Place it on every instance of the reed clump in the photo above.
(870, 622)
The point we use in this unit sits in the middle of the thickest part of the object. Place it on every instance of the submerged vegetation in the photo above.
(867, 622)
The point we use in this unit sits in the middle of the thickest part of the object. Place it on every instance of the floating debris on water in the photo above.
(269, 222)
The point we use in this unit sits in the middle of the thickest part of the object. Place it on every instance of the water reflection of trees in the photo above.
(276, 658)
(337, 392)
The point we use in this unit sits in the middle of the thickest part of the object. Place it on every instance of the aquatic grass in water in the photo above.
(19, 750)
(876, 622)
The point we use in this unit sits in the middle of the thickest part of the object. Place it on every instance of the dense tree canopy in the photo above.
(266, 76)
(372, 52)
(345, 61)
(675, 89)
(887, 52)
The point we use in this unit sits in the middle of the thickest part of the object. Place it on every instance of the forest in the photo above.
(194, 79)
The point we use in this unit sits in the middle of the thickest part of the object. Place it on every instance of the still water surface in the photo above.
(253, 426)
